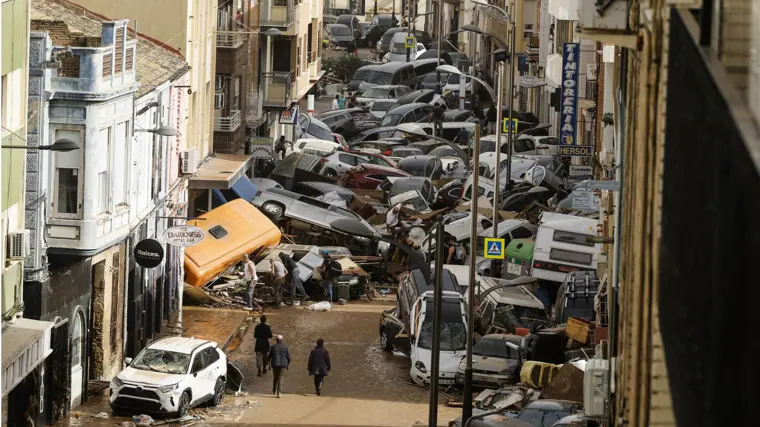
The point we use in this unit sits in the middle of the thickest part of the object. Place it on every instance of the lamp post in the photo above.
(62, 145)
(160, 131)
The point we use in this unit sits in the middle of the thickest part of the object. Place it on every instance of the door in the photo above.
(57, 396)
(199, 384)
(346, 161)
(77, 360)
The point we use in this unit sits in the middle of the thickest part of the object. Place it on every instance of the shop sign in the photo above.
(289, 116)
(261, 147)
(585, 200)
(184, 235)
(569, 103)
(149, 253)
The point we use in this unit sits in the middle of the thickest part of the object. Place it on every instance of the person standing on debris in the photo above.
(437, 119)
(456, 253)
(295, 279)
(278, 278)
(262, 333)
(282, 147)
(319, 365)
(463, 137)
(392, 221)
(279, 359)
(330, 271)
(250, 276)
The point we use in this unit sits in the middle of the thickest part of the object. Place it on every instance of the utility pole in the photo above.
(512, 58)
(436, 350)
(409, 24)
(438, 23)
(499, 125)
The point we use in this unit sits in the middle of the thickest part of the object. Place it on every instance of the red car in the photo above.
(375, 159)
(369, 176)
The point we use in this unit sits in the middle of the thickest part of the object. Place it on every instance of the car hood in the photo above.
(492, 364)
(151, 378)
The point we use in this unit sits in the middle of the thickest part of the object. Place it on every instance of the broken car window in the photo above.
(167, 362)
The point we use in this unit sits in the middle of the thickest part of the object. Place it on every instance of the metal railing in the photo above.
(592, 89)
(276, 13)
(229, 123)
(276, 87)
(228, 39)
(254, 114)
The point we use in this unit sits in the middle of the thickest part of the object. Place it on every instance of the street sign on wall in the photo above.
(585, 200)
(184, 235)
(580, 171)
(569, 103)
(149, 253)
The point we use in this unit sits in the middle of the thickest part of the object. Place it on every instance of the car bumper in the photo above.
(486, 380)
(144, 399)
(423, 379)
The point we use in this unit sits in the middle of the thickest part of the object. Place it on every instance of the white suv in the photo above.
(170, 376)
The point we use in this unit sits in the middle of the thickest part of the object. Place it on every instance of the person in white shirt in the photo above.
(392, 220)
(335, 103)
(250, 276)
(278, 274)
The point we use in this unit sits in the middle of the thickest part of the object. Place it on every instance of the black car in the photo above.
(421, 95)
(332, 116)
(407, 113)
(371, 135)
(423, 166)
(377, 27)
(359, 76)
(430, 81)
(424, 37)
(546, 412)
(352, 126)
(399, 185)
(317, 189)
(384, 46)
(433, 54)
(350, 21)
(364, 29)
(339, 36)
(448, 194)
(456, 115)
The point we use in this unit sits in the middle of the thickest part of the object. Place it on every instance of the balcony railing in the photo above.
(276, 87)
(592, 89)
(254, 115)
(229, 123)
(230, 39)
(276, 13)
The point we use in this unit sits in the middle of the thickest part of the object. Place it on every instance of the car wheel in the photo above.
(184, 405)
(272, 210)
(331, 173)
(385, 342)
(221, 384)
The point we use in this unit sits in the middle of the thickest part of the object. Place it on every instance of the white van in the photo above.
(318, 147)
(561, 246)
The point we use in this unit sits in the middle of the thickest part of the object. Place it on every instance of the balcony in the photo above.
(230, 39)
(276, 87)
(315, 68)
(229, 123)
(254, 114)
(277, 13)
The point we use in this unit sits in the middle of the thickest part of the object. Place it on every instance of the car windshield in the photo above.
(453, 336)
(491, 347)
(509, 316)
(537, 417)
(360, 74)
(382, 106)
(406, 152)
(453, 79)
(416, 168)
(433, 78)
(319, 132)
(443, 151)
(398, 47)
(391, 119)
(340, 30)
(379, 78)
(167, 362)
(375, 93)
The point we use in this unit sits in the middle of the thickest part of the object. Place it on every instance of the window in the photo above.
(347, 158)
(572, 238)
(571, 256)
(102, 156)
(523, 145)
(102, 192)
(212, 355)
(521, 233)
(77, 341)
(236, 96)
(218, 231)
(120, 161)
(200, 362)
(67, 191)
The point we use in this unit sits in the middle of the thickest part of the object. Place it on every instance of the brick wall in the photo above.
(59, 33)
(107, 314)
(130, 60)
(107, 64)
(69, 67)
(119, 48)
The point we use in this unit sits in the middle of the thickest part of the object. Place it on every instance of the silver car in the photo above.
(339, 162)
(277, 204)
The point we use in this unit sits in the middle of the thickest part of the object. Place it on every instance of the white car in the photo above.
(319, 147)
(170, 376)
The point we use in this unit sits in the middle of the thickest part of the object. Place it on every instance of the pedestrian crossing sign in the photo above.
(494, 248)
(506, 128)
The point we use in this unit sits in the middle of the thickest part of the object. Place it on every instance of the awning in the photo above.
(220, 172)
(566, 10)
(26, 344)
(243, 188)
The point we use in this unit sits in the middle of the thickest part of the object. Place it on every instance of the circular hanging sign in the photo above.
(149, 253)
(184, 235)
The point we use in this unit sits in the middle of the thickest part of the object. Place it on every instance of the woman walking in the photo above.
(319, 365)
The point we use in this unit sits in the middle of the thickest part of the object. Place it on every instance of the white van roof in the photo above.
(564, 222)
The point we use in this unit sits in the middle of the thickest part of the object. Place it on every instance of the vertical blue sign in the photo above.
(569, 106)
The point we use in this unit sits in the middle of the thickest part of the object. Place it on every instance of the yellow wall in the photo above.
(188, 26)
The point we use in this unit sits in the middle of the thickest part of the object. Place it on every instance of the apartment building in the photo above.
(189, 28)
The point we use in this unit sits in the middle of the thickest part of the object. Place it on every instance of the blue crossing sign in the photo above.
(493, 248)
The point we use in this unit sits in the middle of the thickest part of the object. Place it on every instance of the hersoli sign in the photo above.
(184, 235)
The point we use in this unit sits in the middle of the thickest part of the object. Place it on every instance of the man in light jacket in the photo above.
(250, 277)
(279, 359)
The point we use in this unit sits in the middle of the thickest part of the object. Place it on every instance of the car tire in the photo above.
(272, 210)
(385, 341)
(184, 405)
(331, 173)
(219, 388)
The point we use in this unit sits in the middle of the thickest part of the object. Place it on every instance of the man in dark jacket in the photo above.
(319, 365)
(262, 333)
(279, 358)
(295, 280)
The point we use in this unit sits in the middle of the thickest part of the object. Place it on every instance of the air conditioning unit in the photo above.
(219, 101)
(18, 244)
(604, 15)
(219, 82)
(595, 381)
(190, 160)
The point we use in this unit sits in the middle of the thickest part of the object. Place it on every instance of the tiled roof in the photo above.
(155, 64)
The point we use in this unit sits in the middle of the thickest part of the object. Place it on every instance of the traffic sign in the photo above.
(505, 125)
(409, 42)
(494, 248)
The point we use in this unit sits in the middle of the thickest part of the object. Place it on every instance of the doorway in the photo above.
(77, 360)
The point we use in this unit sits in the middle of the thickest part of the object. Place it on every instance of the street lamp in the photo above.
(63, 145)
(272, 32)
(160, 131)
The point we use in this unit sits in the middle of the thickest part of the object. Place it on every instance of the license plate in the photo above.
(445, 382)
(515, 269)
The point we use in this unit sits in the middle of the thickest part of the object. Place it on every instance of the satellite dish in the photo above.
(417, 235)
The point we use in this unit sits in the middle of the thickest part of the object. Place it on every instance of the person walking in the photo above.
(330, 271)
(278, 278)
(295, 280)
(249, 269)
(279, 359)
(319, 365)
(336, 103)
(342, 100)
(262, 333)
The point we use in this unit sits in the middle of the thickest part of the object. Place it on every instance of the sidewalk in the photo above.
(220, 325)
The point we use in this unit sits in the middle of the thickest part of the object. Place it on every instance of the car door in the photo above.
(346, 161)
(199, 378)
(525, 146)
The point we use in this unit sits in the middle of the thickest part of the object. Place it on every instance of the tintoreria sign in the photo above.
(184, 235)
(569, 106)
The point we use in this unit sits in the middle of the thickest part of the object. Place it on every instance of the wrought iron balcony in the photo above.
(276, 87)
(229, 123)
(277, 13)
(230, 39)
